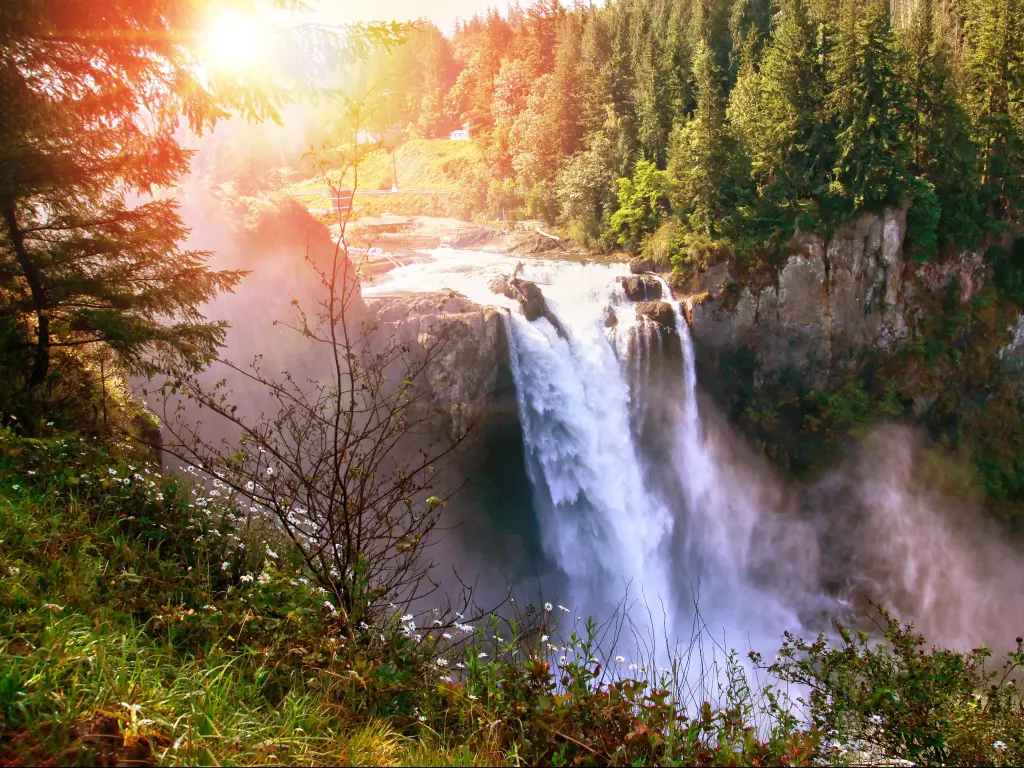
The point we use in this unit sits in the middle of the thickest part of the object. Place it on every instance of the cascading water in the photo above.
(616, 514)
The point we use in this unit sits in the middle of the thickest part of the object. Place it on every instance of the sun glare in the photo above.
(236, 42)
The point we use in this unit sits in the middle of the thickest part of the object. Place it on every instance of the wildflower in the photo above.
(562, 660)
(620, 659)
(446, 678)
(543, 638)
(438, 623)
(876, 719)
(245, 577)
(1000, 745)
(563, 608)
(447, 635)
(15, 487)
(111, 471)
(264, 578)
(422, 718)
(363, 626)
(442, 662)
(460, 665)
(250, 485)
(548, 606)
(270, 470)
(481, 655)
(53, 607)
(471, 697)
(632, 667)
(13, 570)
(271, 553)
(31, 472)
(209, 608)
(225, 565)
(329, 606)
(407, 618)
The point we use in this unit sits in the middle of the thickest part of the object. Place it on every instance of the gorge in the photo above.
(619, 482)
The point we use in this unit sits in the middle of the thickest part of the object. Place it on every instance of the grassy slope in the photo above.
(123, 640)
(422, 164)
(138, 626)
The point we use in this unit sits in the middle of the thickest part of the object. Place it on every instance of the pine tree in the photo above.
(939, 135)
(700, 158)
(995, 76)
(870, 105)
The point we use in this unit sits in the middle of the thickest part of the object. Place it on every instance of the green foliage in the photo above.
(643, 202)
(902, 700)
(150, 620)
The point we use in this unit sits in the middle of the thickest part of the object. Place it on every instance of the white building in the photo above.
(462, 134)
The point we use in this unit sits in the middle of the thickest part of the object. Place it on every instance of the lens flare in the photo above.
(235, 42)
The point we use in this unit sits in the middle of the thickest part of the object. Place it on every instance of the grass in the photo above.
(147, 621)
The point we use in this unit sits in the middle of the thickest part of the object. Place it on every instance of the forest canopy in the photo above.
(729, 124)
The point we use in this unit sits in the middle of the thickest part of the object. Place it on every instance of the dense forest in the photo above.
(688, 127)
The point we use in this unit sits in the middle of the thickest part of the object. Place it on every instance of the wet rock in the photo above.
(641, 264)
(530, 298)
(610, 318)
(641, 287)
(660, 312)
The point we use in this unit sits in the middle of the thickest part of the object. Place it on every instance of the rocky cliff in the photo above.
(472, 366)
(832, 302)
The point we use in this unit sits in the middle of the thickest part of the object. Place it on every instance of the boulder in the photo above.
(660, 312)
(530, 298)
(641, 264)
(641, 287)
(610, 318)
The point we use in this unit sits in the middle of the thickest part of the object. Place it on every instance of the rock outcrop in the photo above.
(641, 287)
(530, 298)
(472, 364)
(832, 301)
(661, 312)
(639, 265)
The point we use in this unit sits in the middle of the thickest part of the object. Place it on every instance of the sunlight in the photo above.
(236, 42)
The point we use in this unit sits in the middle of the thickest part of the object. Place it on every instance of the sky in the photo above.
(442, 12)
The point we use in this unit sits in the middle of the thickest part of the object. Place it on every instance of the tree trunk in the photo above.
(30, 270)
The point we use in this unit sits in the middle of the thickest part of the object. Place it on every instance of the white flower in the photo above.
(422, 718)
(563, 608)
(547, 606)
(447, 635)
(264, 578)
(632, 667)
(562, 660)
(876, 719)
(209, 608)
(270, 470)
(1000, 745)
(543, 638)
(408, 617)
(14, 570)
(471, 697)
(245, 577)
(442, 662)
(271, 553)
(481, 655)
(225, 565)
(329, 606)
(446, 678)
(15, 487)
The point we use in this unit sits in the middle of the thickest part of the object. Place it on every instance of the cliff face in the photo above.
(832, 302)
(472, 364)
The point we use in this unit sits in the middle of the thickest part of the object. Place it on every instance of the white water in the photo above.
(603, 522)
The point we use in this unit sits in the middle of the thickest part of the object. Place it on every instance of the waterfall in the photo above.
(625, 484)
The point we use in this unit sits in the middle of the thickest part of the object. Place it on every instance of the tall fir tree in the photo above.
(995, 79)
(871, 109)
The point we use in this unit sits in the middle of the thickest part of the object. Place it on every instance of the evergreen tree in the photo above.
(699, 161)
(939, 135)
(873, 157)
(995, 76)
